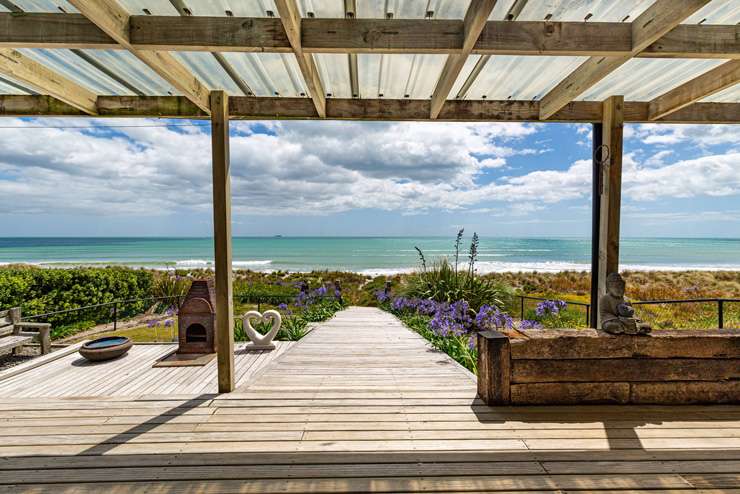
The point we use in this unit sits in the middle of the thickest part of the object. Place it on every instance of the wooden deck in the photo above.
(131, 375)
(361, 405)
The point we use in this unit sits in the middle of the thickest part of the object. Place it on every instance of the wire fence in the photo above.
(118, 310)
(700, 313)
(112, 311)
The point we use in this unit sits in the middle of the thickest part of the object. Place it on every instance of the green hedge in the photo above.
(38, 291)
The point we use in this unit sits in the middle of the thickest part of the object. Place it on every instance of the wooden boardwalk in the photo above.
(360, 405)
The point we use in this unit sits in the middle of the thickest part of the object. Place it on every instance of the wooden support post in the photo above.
(611, 190)
(494, 368)
(219, 101)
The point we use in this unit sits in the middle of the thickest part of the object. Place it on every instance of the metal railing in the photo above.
(720, 310)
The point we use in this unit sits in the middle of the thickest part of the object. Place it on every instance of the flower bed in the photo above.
(308, 306)
(449, 327)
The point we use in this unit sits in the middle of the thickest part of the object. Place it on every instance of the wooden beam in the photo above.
(713, 81)
(364, 109)
(291, 19)
(113, 19)
(199, 33)
(44, 30)
(28, 71)
(222, 240)
(474, 22)
(651, 25)
(697, 41)
(16, 105)
(610, 155)
(246, 34)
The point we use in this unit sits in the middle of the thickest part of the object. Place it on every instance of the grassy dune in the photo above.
(642, 286)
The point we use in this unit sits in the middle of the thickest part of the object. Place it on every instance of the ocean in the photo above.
(369, 255)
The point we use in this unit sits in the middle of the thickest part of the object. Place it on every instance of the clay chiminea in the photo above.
(197, 319)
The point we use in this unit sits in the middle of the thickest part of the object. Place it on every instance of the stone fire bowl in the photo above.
(106, 348)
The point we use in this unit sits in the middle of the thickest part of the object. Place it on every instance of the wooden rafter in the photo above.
(650, 26)
(22, 68)
(362, 109)
(113, 19)
(713, 81)
(198, 33)
(291, 18)
(474, 22)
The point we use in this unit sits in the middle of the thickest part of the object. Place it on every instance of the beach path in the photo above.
(361, 404)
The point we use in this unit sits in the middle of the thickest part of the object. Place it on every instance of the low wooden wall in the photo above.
(570, 366)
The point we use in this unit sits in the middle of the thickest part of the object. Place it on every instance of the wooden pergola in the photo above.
(151, 43)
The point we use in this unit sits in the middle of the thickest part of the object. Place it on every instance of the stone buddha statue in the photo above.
(616, 314)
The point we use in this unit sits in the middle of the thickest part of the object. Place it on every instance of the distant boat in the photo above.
(278, 236)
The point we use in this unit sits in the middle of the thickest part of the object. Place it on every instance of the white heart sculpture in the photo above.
(262, 342)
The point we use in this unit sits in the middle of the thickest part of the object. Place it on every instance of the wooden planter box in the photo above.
(571, 366)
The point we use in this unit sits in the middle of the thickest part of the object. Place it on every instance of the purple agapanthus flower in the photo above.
(283, 306)
(473, 342)
(550, 307)
(527, 324)
(382, 296)
(406, 304)
(491, 317)
(427, 307)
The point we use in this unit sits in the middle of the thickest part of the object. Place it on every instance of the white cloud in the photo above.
(304, 168)
(714, 175)
(316, 168)
(658, 159)
(696, 135)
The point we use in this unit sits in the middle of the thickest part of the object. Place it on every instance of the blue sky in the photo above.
(352, 178)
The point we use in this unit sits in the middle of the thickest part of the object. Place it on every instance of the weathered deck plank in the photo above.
(361, 404)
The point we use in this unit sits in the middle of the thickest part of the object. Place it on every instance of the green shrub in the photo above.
(170, 285)
(444, 281)
(38, 291)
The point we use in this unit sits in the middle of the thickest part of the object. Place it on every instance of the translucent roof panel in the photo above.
(66, 63)
(520, 77)
(238, 8)
(206, 68)
(11, 86)
(154, 7)
(334, 73)
(133, 71)
(45, 6)
(729, 95)
(321, 8)
(642, 79)
(577, 10)
(269, 74)
(717, 12)
(411, 9)
(399, 76)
